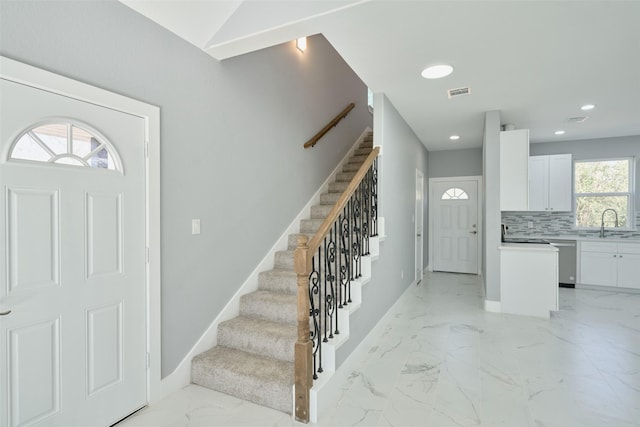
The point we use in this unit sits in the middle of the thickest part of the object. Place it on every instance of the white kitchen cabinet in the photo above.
(629, 266)
(550, 183)
(514, 170)
(598, 268)
(610, 264)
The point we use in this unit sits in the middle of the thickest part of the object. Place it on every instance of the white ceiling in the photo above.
(535, 61)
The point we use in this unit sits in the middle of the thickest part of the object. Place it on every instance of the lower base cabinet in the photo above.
(610, 264)
(629, 270)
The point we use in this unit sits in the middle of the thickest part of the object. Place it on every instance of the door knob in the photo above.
(473, 232)
(4, 313)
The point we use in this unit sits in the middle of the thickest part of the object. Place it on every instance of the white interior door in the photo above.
(73, 348)
(419, 220)
(455, 210)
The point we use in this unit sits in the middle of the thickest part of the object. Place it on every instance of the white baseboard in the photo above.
(492, 306)
(181, 376)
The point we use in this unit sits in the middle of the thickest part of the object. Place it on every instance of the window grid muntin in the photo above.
(454, 193)
(90, 160)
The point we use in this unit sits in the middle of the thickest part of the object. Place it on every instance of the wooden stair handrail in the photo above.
(303, 256)
(313, 141)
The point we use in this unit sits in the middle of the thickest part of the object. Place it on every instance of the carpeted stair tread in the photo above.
(338, 186)
(329, 198)
(310, 225)
(345, 176)
(351, 167)
(367, 143)
(283, 260)
(363, 151)
(259, 336)
(259, 379)
(274, 306)
(277, 280)
(358, 159)
(320, 211)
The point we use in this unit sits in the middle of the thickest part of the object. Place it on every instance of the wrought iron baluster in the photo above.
(329, 284)
(356, 210)
(325, 279)
(361, 236)
(345, 255)
(366, 198)
(314, 332)
(374, 198)
(319, 305)
(331, 297)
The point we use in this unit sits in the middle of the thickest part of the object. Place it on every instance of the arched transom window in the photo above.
(455, 193)
(65, 144)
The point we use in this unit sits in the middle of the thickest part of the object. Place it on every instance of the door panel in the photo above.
(34, 363)
(455, 209)
(33, 238)
(104, 234)
(104, 340)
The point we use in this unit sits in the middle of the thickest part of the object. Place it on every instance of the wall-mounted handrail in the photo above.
(330, 260)
(313, 141)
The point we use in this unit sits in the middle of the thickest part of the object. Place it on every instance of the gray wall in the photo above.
(491, 205)
(402, 154)
(448, 163)
(627, 146)
(231, 138)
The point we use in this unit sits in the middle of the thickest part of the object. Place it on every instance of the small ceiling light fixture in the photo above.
(454, 137)
(587, 107)
(437, 71)
(301, 44)
(559, 132)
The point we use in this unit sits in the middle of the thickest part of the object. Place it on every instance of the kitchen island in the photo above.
(528, 279)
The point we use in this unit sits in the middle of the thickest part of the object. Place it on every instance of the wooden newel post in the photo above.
(303, 379)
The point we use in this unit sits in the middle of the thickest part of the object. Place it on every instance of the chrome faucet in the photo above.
(602, 224)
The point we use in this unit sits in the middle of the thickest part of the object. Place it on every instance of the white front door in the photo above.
(73, 347)
(455, 207)
(419, 220)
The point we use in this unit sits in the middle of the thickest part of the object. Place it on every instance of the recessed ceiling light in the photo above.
(437, 71)
(454, 137)
(559, 132)
(588, 107)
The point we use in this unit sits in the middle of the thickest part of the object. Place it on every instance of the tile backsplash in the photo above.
(555, 224)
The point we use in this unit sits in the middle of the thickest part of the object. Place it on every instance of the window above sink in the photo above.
(600, 185)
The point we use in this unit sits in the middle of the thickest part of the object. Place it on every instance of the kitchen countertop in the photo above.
(528, 247)
(577, 238)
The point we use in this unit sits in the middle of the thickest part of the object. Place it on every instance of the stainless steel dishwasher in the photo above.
(566, 262)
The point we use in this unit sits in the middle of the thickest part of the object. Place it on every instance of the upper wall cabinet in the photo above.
(514, 170)
(550, 183)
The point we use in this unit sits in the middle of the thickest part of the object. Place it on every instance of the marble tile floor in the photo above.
(438, 359)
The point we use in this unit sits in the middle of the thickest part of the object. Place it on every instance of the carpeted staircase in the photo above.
(254, 356)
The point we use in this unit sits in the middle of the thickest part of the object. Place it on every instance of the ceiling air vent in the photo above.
(461, 91)
(577, 119)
